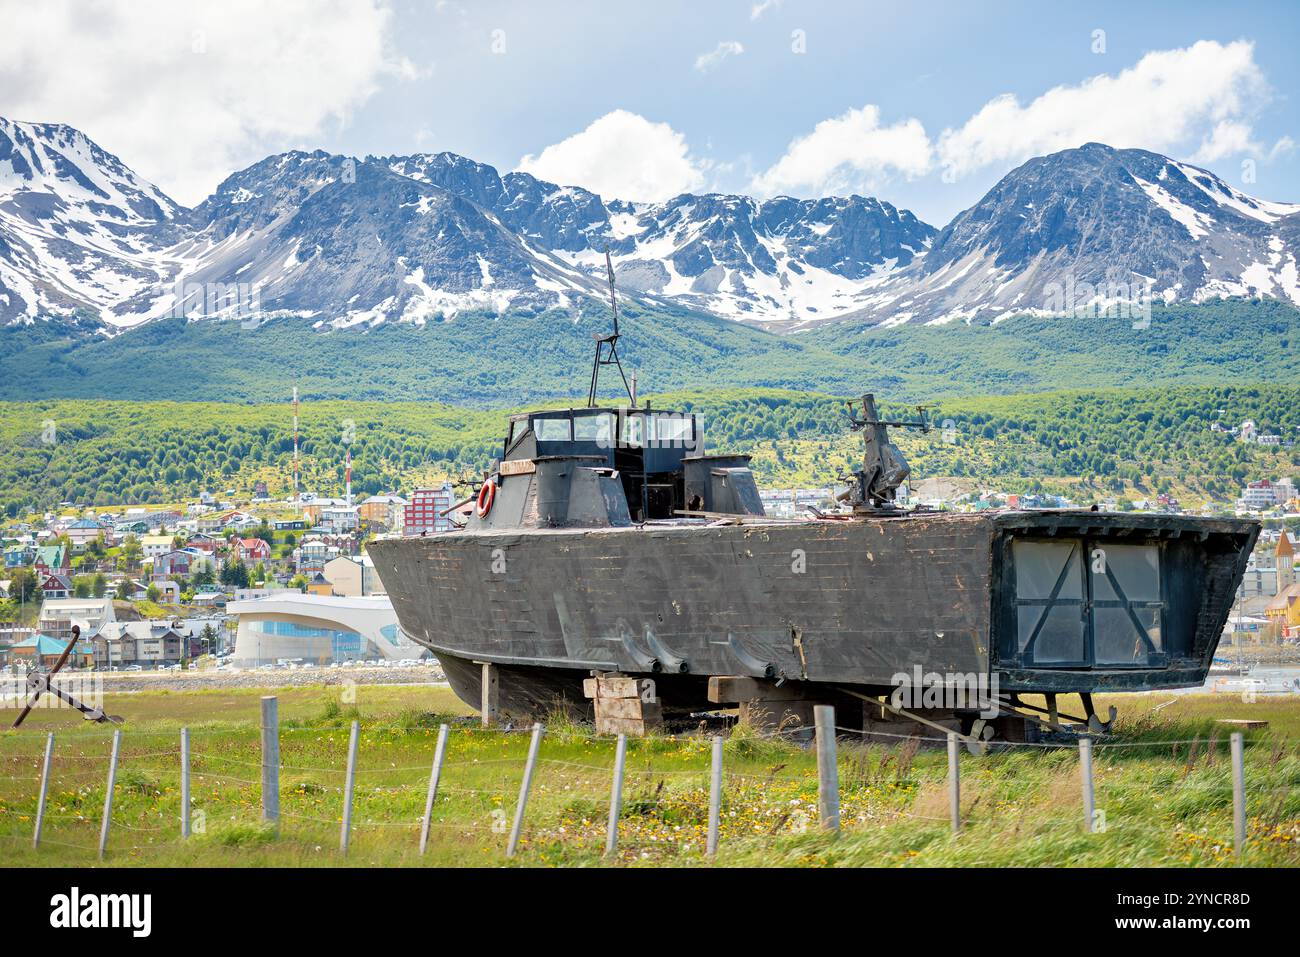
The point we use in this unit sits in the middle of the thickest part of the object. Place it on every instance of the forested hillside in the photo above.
(1092, 444)
(521, 358)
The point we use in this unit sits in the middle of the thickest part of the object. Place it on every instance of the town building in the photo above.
(149, 644)
(56, 586)
(351, 576)
(313, 553)
(82, 532)
(339, 520)
(1264, 494)
(51, 560)
(250, 550)
(387, 512)
(318, 584)
(44, 651)
(318, 629)
(58, 615)
(423, 515)
(154, 545)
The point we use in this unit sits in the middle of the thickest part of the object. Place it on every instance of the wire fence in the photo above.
(526, 790)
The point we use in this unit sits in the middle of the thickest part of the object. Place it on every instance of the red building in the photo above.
(424, 513)
(252, 550)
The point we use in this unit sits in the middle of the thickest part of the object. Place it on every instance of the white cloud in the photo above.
(187, 93)
(848, 153)
(621, 156)
(1203, 96)
(1282, 147)
(725, 48)
(760, 8)
(1226, 139)
(1199, 101)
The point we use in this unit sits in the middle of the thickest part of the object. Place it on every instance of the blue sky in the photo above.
(800, 97)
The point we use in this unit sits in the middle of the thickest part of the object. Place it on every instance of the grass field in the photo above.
(1164, 803)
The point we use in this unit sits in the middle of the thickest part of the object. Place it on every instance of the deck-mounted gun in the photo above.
(884, 469)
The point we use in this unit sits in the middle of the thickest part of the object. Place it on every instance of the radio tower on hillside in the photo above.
(295, 444)
(348, 477)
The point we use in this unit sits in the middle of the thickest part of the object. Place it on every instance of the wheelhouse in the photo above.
(646, 448)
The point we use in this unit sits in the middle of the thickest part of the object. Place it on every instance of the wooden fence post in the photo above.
(1238, 795)
(828, 778)
(1085, 773)
(108, 793)
(440, 752)
(185, 782)
(271, 760)
(616, 795)
(518, 827)
(45, 788)
(490, 693)
(349, 782)
(715, 799)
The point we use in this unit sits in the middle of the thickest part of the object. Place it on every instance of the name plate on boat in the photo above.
(517, 467)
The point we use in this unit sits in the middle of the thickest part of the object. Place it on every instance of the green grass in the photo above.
(1164, 804)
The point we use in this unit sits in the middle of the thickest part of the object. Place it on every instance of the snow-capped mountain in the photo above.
(784, 260)
(342, 242)
(1098, 228)
(339, 242)
(78, 229)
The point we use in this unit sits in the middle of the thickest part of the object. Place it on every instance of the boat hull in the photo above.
(828, 604)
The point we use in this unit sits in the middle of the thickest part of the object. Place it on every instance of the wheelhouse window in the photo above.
(553, 429)
(594, 428)
(671, 430)
(1049, 602)
(1088, 603)
(1126, 603)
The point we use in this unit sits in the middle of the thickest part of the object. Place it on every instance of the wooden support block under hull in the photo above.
(618, 686)
(623, 705)
(632, 727)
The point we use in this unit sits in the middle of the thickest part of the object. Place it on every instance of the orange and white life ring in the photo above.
(486, 495)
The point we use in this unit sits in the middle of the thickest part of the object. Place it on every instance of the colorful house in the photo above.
(44, 651)
(252, 550)
(173, 563)
(56, 586)
(52, 560)
(82, 532)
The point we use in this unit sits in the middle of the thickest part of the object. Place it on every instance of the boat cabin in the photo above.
(612, 466)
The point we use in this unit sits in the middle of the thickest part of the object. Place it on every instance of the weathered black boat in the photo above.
(606, 541)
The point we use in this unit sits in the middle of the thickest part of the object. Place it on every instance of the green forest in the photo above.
(1091, 444)
(483, 361)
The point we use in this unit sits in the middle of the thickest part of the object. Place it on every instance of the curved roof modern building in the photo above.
(318, 629)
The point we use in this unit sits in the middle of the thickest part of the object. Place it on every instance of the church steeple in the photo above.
(1285, 555)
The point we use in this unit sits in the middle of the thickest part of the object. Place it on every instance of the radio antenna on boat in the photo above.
(607, 356)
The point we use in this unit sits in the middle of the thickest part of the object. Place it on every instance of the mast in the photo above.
(607, 346)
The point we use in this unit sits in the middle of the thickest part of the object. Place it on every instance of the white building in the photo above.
(58, 615)
(1259, 495)
(339, 519)
(317, 629)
